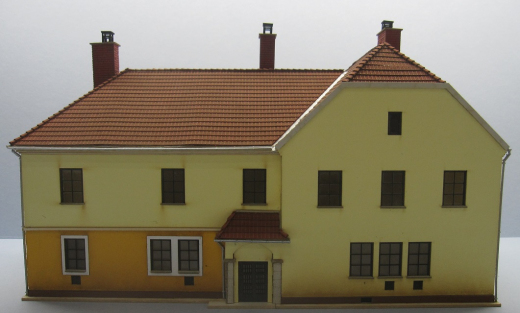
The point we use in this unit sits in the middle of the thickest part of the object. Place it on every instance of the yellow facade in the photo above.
(122, 204)
(125, 190)
(350, 134)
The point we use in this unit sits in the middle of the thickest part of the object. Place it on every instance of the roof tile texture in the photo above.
(242, 225)
(384, 63)
(185, 107)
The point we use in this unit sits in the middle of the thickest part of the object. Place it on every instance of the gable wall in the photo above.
(350, 134)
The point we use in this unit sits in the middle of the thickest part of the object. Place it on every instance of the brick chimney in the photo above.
(105, 58)
(389, 34)
(267, 40)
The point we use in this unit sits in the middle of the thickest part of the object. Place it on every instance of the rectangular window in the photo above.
(174, 256)
(329, 188)
(419, 256)
(254, 188)
(74, 255)
(361, 259)
(392, 188)
(71, 184)
(172, 185)
(394, 123)
(390, 255)
(454, 191)
(188, 255)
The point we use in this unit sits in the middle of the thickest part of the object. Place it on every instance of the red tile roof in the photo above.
(185, 107)
(182, 107)
(261, 226)
(384, 63)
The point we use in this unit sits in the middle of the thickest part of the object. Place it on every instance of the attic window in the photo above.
(395, 123)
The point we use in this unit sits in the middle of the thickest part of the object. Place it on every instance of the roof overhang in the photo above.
(145, 150)
(326, 98)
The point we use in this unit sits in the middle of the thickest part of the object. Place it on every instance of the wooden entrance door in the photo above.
(252, 281)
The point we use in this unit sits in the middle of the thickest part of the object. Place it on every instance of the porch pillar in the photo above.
(277, 281)
(229, 271)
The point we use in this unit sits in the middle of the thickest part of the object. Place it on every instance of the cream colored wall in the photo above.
(350, 134)
(125, 190)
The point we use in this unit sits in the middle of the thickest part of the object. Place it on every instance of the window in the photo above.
(390, 258)
(71, 183)
(174, 256)
(329, 188)
(361, 259)
(74, 255)
(254, 186)
(419, 254)
(418, 285)
(454, 191)
(172, 185)
(394, 123)
(392, 188)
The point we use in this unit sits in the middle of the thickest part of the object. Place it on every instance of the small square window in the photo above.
(389, 285)
(189, 281)
(418, 285)
(394, 123)
(75, 280)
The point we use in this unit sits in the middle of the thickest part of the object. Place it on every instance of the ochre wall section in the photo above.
(350, 134)
(118, 262)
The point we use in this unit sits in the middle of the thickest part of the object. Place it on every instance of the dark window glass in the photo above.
(172, 185)
(361, 259)
(75, 256)
(254, 186)
(188, 255)
(418, 285)
(392, 188)
(189, 281)
(161, 255)
(71, 182)
(75, 280)
(390, 258)
(394, 123)
(389, 285)
(454, 192)
(329, 188)
(419, 255)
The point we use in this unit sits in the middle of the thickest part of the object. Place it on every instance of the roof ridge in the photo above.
(27, 133)
(357, 66)
(235, 69)
(360, 63)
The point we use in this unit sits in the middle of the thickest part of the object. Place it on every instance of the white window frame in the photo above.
(63, 264)
(174, 256)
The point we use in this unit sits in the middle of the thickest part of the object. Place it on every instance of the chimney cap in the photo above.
(268, 27)
(107, 36)
(387, 24)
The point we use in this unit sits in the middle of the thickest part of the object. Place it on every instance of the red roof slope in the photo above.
(262, 226)
(181, 107)
(384, 63)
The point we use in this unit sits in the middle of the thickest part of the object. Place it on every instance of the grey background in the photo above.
(45, 56)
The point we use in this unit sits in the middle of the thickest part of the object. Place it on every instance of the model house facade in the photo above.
(378, 184)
